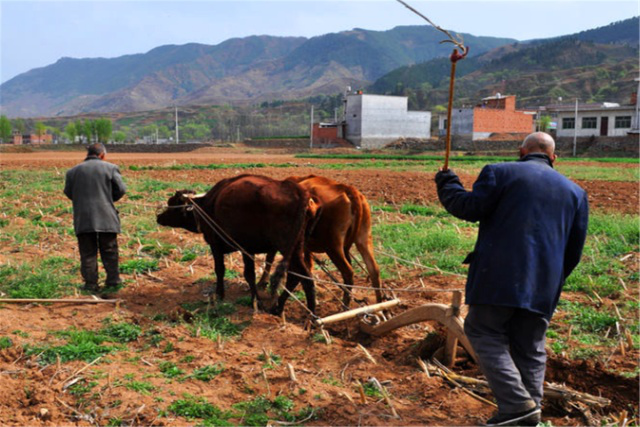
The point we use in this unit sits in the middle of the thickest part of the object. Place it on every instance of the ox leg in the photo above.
(340, 261)
(268, 263)
(292, 282)
(277, 276)
(218, 260)
(307, 284)
(365, 248)
(297, 266)
(250, 277)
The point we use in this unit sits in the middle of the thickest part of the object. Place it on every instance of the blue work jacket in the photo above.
(533, 224)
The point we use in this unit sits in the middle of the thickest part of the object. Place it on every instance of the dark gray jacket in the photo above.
(93, 186)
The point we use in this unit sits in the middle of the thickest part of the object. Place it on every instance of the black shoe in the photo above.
(530, 417)
(90, 287)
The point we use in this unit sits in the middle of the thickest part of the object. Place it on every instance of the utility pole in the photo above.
(177, 133)
(156, 135)
(311, 130)
(575, 129)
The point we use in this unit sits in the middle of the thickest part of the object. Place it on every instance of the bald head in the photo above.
(539, 142)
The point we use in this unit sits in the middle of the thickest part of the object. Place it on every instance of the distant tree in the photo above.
(71, 131)
(103, 129)
(55, 132)
(88, 130)
(437, 109)
(164, 132)
(41, 129)
(18, 124)
(5, 129)
(194, 131)
(543, 123)
(119, 136)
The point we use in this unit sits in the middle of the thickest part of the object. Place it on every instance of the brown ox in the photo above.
(344, 219)
(257, 214)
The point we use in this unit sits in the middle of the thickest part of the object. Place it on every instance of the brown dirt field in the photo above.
(326, 373)
(381, 186)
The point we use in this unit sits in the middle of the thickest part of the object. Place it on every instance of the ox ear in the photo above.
(314, 212)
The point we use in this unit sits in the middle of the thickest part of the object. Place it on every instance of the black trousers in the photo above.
(89, 244)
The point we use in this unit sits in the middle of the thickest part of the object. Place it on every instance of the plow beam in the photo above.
(357, 311)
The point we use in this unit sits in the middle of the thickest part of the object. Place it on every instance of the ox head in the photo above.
(179, 213)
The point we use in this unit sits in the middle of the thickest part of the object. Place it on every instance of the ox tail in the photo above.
(364, 243)
(296, 242)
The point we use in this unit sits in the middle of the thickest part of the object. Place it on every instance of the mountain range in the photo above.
(264, 68)
(596, 65)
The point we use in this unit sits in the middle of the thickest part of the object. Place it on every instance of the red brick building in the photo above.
(32, 138)
(495, 114)
(328, 134)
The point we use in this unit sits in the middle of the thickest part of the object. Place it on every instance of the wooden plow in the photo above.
(446, 315)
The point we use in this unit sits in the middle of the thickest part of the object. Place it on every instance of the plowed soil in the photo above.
(327, 374)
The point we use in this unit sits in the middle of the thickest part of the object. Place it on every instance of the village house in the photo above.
(373, 121)
(495, 114)
(31, 138)
(595, 119)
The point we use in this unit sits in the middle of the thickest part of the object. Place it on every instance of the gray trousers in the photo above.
(89, 244)
(510, 343)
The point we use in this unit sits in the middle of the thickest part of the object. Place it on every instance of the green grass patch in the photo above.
(44, 280)
(428, 240)
(170, 369)
(142, 387)
(206, 373)
(211, 166)
(85, 344)
(5, 342)
(138, 266)
(121, 332)
(191, 407)
(610, 236)
(371, 390)
(214, 323)
(270, 362)
(260, 410)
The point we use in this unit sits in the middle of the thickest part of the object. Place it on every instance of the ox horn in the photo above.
(194, 196)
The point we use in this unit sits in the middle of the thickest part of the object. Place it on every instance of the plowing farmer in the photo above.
(533, 224)
(93, 186)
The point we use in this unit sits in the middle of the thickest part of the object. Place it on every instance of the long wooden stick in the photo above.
(59, 300)
(452, 79)
(353, 313)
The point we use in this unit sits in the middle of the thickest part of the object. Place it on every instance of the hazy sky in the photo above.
(38, 33)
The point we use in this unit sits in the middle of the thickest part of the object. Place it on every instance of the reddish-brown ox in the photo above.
(344, 219)
(255, 213)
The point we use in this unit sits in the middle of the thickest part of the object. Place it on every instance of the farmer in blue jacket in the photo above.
(533, 224)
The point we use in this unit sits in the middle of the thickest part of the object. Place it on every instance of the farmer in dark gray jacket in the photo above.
(93, 186)
(533, 224)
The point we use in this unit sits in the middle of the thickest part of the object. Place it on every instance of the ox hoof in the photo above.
(276, 311)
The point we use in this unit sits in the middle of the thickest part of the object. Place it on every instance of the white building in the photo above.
(593, 120)
(604, 119)
(376, 120)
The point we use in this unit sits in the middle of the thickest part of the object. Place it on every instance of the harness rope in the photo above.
(214, 225)
(218, 230)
